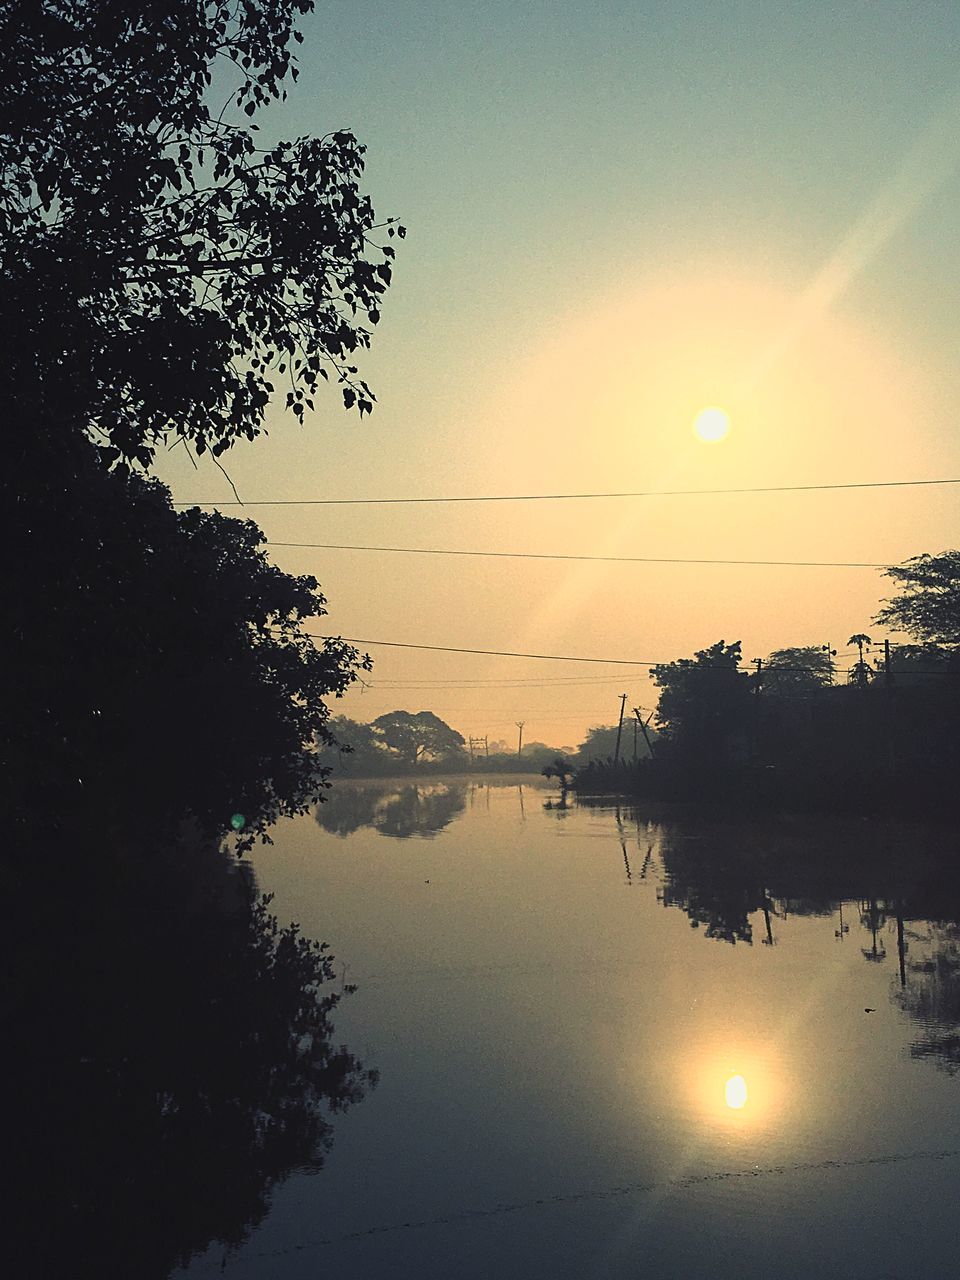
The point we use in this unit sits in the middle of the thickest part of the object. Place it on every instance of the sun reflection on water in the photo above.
(739, 1086)
(735, 1093)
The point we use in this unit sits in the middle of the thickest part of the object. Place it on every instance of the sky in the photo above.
(619, 214)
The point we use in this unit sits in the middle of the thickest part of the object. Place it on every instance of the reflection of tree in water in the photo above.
(174, 1063)
(409, 809)
(713, 892)
(932, 996)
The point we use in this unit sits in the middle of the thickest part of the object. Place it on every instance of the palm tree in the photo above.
(861, 673)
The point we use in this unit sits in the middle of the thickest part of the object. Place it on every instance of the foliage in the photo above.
(928, 606)
(797, 672)
(861, 673)
(162, 272)
(418, 736)
(190, 683)
(704, 703)
(560, 769)
(600, 742)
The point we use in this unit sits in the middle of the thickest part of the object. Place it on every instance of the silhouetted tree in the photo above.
(418, 736)
(161, 272)
(161, 663)
(797, 672)
(860, 673)
(704, 704)
(928, 607)
(560, 769)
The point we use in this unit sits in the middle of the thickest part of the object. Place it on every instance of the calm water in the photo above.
(556, 999)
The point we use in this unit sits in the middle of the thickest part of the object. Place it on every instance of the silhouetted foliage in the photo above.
(161, 661)
(418, 736)
(928, 606)
(560, 769)
(704, 705)
(170, 1050)
(161, 272)
(797, 672)
(600, 742)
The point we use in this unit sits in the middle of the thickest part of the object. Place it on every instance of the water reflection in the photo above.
(737, 883)
(396, 809)
(174, 1061)
(932, 996)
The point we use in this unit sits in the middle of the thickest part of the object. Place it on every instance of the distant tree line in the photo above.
(791, 732)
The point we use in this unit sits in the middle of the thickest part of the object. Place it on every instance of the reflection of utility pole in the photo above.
(623, 844)
(769, 940)
(901, 947)
(623, 703)
(523, 812)
(844, 928)
(520, 724)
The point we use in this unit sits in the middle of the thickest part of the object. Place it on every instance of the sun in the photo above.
(711, 425)
(735, 1093)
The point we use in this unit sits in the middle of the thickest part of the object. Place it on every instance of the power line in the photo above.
(493, 653)
(535, 555)
(555, 657)
(565, 497)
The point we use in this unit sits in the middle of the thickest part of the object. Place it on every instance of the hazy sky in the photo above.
(618, 214)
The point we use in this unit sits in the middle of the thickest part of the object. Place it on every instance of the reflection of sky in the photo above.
(547, 1031)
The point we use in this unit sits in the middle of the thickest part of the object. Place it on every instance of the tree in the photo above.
(704, 703)
(354, 747)
(190, 685)
(161, 272)
(861, 674)
(560, 769)
(798, 671)
(928, 607)
(415, 737)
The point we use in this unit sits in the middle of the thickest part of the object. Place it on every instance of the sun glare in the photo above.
(735, 1093)
(711, 425)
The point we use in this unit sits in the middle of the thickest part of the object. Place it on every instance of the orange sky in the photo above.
(542, 343)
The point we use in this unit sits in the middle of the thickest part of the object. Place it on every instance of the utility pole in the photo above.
(643, 729)
(756, 720)
(520, 724)
(486, 746)
(634, 742)
(831, 654)
(623, 703)
(889, 725)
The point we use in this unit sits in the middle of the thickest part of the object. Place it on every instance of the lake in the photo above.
(620, 1042)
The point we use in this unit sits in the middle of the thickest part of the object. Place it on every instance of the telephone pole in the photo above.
(520, 724)
(831, 654)
(643, 730)
(623, 703)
